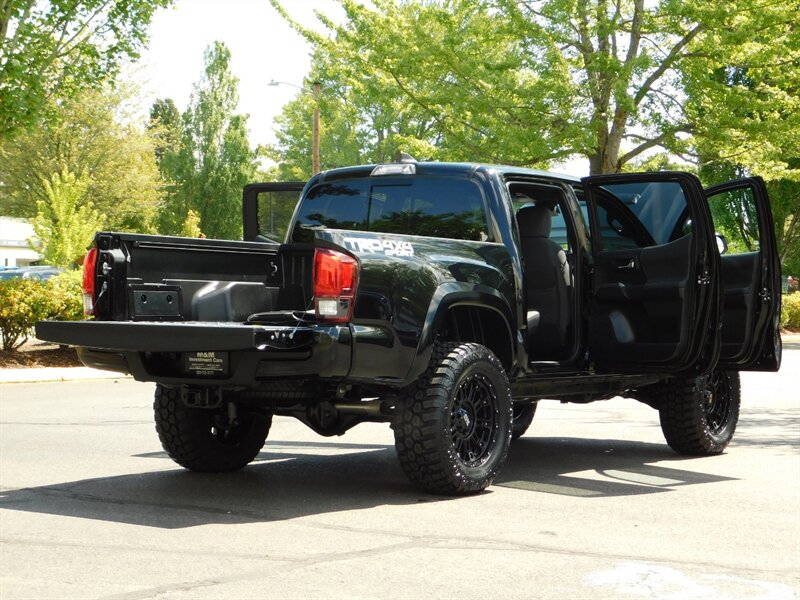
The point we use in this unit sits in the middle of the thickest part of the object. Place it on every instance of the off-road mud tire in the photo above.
(201, 439)
(699, 415)
(453, 427)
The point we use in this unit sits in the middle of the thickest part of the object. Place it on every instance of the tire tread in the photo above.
(418, 427)
(188, 442)
(683, 419)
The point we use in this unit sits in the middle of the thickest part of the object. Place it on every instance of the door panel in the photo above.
(642, 313)
(750, 275)
(653, 289)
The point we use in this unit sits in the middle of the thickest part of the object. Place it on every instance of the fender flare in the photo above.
(447, 296)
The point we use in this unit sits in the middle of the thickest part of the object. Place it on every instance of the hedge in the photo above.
(790, 311)
(25, 301)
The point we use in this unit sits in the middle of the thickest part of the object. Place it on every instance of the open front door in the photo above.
(655, 298)
(750, 275)
(268, 208)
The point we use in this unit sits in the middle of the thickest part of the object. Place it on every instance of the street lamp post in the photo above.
(315, 167)
(315, 132)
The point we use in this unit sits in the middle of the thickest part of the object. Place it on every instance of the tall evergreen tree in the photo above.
(213, 159)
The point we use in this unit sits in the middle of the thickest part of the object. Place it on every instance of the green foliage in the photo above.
(65, 224)
(532, 82)
(784, 195)
(743, 89)
(790, 311)
(51, 50)
(191, 226)
(784, 198)
(92, 134)
(658, 162)
(165, 126)
(22, 303)
(212, 161)
(65, 296)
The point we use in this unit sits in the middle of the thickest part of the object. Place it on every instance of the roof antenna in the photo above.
(403, 157)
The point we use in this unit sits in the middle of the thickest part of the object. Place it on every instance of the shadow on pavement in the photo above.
(775, 429)
(278, 485)
(594, 468)
(291, 479)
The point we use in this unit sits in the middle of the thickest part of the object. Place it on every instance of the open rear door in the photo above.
(655, 299)
(268, 208)
(750, 275)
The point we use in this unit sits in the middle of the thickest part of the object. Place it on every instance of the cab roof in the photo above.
(444, 169)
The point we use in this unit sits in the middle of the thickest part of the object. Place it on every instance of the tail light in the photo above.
(89, 295)
(335, 283)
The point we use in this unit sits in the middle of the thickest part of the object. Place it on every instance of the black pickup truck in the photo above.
(447, 300)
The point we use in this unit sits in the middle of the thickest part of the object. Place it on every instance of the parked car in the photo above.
(41, 272)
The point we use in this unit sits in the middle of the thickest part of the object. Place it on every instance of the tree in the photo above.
(536, 81)
(191, 226)
(213, 160)
(165, 127)
(65, 224)
(355, 127)
(52, 50)
(94, 135)
(784, 195)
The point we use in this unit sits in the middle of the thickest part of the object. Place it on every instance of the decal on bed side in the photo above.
(376, 246)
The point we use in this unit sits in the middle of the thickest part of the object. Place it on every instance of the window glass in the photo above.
(340, 205)
(555, 198)
(558, 225)
(437, 207)
(736, 219)
(613, 232)
(449, 208)
(642, 213)
(275, 210)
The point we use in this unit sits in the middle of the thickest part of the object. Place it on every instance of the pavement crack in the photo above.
(250, 574)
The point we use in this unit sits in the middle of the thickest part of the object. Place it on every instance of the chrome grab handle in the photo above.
(628, 266)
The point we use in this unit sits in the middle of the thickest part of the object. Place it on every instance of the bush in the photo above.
(23, 302)
(790, 311)
(66, 296)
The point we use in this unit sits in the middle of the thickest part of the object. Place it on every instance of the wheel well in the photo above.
(480, 325)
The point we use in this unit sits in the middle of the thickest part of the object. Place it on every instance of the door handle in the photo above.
(627, 266)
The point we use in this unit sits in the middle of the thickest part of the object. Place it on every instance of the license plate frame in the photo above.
(206, 364)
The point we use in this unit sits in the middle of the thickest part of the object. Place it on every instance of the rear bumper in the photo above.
(153, 351)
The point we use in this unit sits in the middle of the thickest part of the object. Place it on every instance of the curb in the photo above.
(45, 374)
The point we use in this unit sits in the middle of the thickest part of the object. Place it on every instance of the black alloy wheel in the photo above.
(717, 402)
(699, 415)
(452, 428)
(474, 420)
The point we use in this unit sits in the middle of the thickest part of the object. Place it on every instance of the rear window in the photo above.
(435, 207)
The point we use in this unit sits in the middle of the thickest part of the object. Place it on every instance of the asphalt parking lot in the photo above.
(591, 503)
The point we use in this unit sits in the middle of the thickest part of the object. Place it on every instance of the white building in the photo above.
(15, 249)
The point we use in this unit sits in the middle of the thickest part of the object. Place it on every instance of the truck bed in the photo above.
(156, 278)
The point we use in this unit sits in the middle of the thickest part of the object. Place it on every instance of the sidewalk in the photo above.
(36, 375)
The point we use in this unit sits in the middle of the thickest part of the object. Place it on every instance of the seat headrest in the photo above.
(534, 221)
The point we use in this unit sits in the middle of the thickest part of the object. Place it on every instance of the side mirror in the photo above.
(722, 243)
